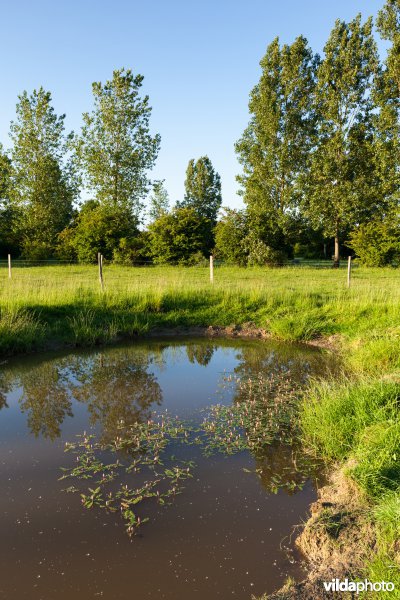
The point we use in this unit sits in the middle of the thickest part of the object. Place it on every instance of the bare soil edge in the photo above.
(336, 541)
(247, 330)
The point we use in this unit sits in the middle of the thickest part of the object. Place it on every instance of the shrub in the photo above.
(377, 243)
(178, 235)
(230, 233)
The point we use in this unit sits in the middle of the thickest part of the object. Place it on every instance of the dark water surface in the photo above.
(225, 536)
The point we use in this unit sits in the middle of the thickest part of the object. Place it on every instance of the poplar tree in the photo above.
(5, 171)
(387, 98)
(6, 237)
(115, 149)
(43, 185)
(339, 186)
(159, 201)
(274, 147)
(202, 189)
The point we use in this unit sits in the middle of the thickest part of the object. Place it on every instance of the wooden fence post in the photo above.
(348, 271)
(211, 268)
(9, 266)
(100, 263)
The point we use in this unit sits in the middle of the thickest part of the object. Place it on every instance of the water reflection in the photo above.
(121, 383)
(116, 387)
(45, 399)
(200, 353)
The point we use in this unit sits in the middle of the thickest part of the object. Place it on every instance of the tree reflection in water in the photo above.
(45, 399)
(116, 388)
(200, 353)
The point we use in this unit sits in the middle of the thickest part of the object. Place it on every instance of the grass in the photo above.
(291, 303)
(352, 420)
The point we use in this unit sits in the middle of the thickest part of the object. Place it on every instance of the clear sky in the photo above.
(199, 59)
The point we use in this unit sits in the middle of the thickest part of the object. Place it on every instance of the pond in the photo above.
(227, 533)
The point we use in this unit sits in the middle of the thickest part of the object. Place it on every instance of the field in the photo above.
(352, 422)
(65, 304)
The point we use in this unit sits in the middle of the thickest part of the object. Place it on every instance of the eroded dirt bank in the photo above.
(336, 541)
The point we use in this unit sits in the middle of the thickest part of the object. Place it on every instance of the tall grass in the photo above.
(20, 331)
(291, 303)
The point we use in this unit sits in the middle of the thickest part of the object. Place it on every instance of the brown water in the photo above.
(225, 536)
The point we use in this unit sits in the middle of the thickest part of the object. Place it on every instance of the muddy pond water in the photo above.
(227, 534)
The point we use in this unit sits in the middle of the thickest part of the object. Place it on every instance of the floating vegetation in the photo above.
(137, 454)
(133, 467)
(263, 413)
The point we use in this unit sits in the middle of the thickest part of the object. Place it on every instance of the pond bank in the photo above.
(337, 541)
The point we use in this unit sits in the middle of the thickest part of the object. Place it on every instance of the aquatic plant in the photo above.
(262, 414)
(137, 452)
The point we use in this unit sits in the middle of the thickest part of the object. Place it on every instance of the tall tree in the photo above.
(202, 189)
(7, 243)
(274, 147)
(42, 181)
(115, 149)
(386, 95)
(5, 171)
(159, 200)
(339, 185)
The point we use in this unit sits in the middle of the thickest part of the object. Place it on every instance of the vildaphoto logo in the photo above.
(337, 585)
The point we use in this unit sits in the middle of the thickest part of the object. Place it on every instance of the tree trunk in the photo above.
(336, 258)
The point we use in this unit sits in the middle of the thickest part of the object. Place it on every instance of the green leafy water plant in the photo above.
(135, 467)
(135, 456)
(263, 413)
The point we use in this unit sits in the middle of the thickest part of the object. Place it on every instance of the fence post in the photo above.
(348, 271)
(211, 268)
(100, 263)
(9, 266)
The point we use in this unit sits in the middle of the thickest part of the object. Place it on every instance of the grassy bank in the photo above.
(353, 421)
(40, 305)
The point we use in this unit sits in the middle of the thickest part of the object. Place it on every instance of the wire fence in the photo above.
(295, 263)
(78, 274)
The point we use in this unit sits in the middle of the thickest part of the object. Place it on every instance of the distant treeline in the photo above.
(320, 166)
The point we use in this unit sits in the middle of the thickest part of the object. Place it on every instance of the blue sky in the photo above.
(199, 59)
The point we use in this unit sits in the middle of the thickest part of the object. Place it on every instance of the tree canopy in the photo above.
(115, 149)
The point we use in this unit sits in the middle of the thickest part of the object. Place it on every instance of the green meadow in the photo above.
(65, 304)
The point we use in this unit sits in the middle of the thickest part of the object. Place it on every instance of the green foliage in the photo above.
(115, 149)
(202, 189)
(99, 228)
(387, 516)
(275, 146)
(230, 233)
(339, 187)
(5, 172)
(142, 446)
(133, 250)
(301, 326)
(88, 330)
(43, 185)
(377, 242)
(386, 96)
(8, 238)
(259, 253)
(176, 236)
(159, 201)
